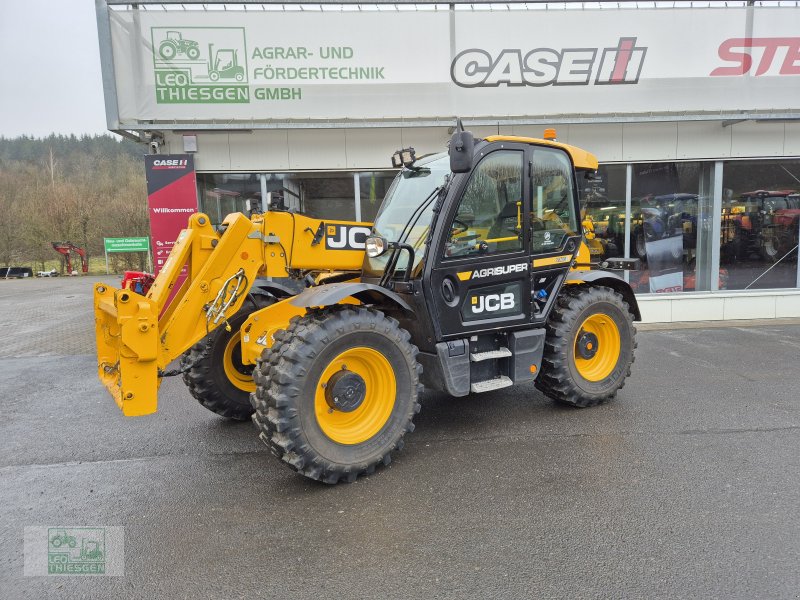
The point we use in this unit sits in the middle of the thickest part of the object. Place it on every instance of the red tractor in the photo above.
(65, 248)
(764, 223)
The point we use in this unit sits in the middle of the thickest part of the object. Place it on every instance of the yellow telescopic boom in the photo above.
(138, 336)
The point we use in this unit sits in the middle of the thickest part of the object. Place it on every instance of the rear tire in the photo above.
(167, 50)
(218, 380)
(364, 355)
(589, 346)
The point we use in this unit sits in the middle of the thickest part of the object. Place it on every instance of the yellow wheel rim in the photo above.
(365, 421)
(598, 338)
(235, 370)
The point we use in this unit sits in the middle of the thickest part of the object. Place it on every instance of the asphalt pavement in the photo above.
(686, 486)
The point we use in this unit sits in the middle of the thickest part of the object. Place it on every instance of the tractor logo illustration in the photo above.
(201, 55)
(76, 550)
(61, 538)
(175, 44)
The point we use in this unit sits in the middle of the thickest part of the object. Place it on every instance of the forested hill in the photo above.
(61, 188)
(66, 148)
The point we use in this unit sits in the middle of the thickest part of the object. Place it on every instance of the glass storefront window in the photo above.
(372, 187)
(603, 212)
(326, 195)
(670, 220)
(225, 193)
(760, 222)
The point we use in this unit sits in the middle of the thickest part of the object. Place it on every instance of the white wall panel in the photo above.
(655, 310)
(792, 139)
(698, 309)
(484, 130)
(757, 139)
(787, 306)
(213, 151)
(262, 150)
(372, 148)
(703, 140)
(317, 149)
(425, 140)
(537, 131)
(750, 307)
(649, 141)
(604, 141)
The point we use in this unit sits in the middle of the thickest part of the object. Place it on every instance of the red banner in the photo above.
(171, 199)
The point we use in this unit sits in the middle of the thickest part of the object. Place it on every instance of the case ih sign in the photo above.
(171, 199)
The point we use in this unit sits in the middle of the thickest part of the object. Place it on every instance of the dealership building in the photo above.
(693, 110)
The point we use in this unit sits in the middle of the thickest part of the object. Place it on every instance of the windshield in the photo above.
(408, 191)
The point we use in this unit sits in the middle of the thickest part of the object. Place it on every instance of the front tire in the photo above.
(589, 346)
(337, 392)
(217, 378)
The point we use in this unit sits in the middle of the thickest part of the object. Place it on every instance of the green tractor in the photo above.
(61, 538)
(175, 44)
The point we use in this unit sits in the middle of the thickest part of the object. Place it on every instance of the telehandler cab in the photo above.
(474, 277)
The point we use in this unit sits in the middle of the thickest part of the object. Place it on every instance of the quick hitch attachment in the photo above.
(228, 295)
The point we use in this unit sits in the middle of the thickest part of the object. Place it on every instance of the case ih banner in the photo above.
(171, 199)
(293, 65)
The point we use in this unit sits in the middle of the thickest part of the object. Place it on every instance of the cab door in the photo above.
(481, 274)
(508, 241)
(556, 232)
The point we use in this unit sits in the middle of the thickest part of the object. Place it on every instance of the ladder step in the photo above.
(491, 384)
(499, 353)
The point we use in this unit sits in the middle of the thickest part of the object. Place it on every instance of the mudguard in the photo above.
(608, 279)
(333, 293)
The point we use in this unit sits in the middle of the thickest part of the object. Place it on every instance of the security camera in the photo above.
(156, 142)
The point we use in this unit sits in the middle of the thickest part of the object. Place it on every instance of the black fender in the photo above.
(276, 288)
(612, 280)
(333, 293)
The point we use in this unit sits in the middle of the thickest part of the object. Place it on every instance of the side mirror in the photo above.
(461, 148)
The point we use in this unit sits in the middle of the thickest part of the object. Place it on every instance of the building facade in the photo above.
(691, 111)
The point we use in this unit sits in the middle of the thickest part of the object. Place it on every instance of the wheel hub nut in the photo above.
(586, 345)
(345, 391)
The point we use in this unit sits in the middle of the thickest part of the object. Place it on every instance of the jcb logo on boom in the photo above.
(346, 237)
(492, 302)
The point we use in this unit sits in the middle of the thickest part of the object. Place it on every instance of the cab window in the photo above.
(489, 216)
(553, 211)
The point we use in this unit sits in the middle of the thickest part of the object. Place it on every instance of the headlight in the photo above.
(376, 246)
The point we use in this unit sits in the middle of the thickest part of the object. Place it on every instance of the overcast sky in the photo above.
(50, 77)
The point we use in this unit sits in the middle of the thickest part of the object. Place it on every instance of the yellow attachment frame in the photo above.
(138, 336)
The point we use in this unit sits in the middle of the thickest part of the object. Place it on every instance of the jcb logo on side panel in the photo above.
(346, 237)
(492, 302)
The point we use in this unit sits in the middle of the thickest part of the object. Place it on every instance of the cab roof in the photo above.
(580, 157)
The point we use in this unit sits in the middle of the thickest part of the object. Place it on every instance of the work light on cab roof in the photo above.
(404, 158)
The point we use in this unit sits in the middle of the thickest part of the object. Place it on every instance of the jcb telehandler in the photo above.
(474, 277)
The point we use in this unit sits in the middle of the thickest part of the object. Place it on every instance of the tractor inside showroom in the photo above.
(474, 277)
